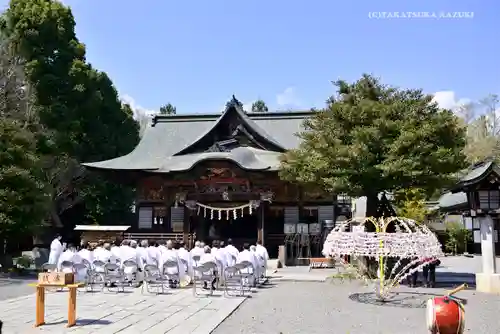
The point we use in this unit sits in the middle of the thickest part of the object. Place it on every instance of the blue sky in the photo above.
(196, 54)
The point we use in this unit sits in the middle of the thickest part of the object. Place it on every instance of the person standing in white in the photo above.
(262, 252)
(56, 249)
(259, 260)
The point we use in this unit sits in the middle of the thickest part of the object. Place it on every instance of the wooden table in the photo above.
(40, 302)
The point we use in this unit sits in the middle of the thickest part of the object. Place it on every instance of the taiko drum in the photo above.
(445, 315)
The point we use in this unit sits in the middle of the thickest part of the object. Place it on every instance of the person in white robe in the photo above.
(103, 253)
(262, 252)
(196, 251)
(56, 249)
(71, 255)
(162, 247)
(153, 255)
(142, 254)
(205, 258)
(247, 255)
(220, 258)
(127, 253)
(86, 253)
(115, 252)
(259, 261)
(184, 256)
(170, 254)
(232, 252)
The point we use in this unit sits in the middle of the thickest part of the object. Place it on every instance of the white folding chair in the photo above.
(171, 272)
(153, 279)
(247, 272)
(113, 276)
(48, 267)
(196, 260)
(205, 274)
(233, 280)
(130, 270)
(67, 267)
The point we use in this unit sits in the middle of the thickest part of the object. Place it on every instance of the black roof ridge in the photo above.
(214, 116)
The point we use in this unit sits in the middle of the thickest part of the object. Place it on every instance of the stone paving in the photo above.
(175, 312)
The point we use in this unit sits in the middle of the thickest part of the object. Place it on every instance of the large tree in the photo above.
(259, 106)
(168, 109)
(483, 128)
(76, 104)
(373, 138)
(23, 196)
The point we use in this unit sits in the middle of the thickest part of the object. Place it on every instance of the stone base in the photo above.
(489, 283)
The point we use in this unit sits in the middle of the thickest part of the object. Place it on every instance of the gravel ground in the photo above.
(288, 307)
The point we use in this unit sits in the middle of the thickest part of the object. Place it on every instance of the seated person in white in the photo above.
(184, 256)
(153, 255)
(102, 254)
(116, 251)
(196, 251)
(232, 252)
(142, 254)
(127, 253)
(170, 255)
(205, 258)
(86, 253)
(262, 252)
(247, 255)
(220, 257)
(71, 255)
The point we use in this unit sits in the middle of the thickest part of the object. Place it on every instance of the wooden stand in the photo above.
(40, 303)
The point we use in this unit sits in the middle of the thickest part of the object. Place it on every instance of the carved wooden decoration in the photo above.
(151, 189)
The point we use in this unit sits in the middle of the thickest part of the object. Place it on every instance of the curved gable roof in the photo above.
(170, 135)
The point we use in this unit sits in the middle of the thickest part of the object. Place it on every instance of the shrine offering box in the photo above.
(56, 278)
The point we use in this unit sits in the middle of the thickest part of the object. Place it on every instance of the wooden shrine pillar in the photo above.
(260, 221)
(186, 226)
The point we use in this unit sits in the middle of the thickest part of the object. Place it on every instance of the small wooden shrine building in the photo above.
(216, 176)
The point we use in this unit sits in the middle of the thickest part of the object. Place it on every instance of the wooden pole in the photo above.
(40, 306)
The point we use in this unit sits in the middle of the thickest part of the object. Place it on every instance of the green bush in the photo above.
(24, 262)
(457, 238)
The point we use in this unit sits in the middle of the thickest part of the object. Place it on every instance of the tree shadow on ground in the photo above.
(405, 299)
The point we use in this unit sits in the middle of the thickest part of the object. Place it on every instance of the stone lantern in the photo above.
(481, 185)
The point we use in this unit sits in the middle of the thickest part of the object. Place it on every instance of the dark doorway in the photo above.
(240, 230)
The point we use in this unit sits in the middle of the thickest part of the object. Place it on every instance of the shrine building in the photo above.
(215, 176)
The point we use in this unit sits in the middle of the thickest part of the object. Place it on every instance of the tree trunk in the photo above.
(372, 205)
(56, 220)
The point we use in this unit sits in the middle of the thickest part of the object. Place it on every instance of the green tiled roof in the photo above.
(451, 200)
(475, 175)
(170, 135)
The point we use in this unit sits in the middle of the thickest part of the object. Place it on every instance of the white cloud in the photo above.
(288, 98)
(139, 111)
(447, 99)
(247, 106)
